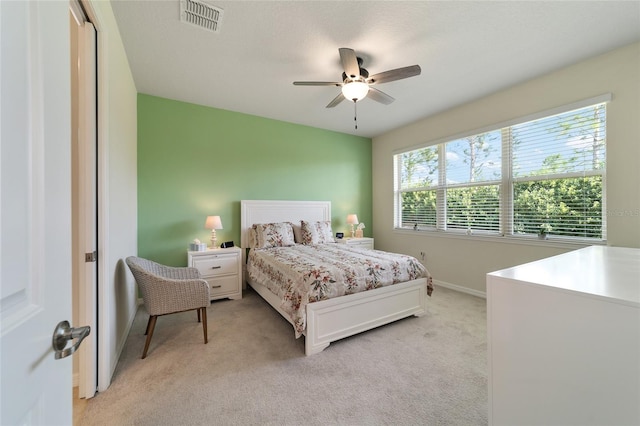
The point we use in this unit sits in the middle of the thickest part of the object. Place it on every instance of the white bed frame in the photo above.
(332, 319)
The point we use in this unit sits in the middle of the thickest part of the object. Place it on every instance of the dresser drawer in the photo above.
(220, 287)
(215, 265)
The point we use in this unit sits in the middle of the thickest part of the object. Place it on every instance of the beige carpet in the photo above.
(417, 371)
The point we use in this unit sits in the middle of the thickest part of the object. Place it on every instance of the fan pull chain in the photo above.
(355, 113)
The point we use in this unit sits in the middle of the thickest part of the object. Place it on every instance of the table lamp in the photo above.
(352, 219)
(213, 223)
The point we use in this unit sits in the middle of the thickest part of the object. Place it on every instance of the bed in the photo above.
(354, 304)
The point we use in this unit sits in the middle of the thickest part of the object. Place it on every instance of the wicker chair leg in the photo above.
(146, 331)
(150, 326)
(204, 324)
(198, 314)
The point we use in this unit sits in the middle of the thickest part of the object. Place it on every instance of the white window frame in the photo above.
(505, 184)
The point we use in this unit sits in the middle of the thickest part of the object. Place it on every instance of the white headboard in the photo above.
(269, 211)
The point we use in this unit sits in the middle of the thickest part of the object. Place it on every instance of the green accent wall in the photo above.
(195, 161)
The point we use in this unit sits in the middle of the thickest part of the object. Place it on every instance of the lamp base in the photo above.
(214, 240)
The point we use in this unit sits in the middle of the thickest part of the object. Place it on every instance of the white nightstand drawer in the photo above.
(358, 242)
(214, 265)
(222, 268)
(363, 242)
(223, 286)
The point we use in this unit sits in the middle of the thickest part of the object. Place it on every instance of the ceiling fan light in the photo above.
(355, 90)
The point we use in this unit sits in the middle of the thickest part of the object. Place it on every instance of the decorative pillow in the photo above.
(274, 235)
(317, 232)
(253, 237)
(297, 233)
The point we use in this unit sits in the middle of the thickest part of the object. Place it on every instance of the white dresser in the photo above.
(363, 242)
(222, 268)
(564, 340)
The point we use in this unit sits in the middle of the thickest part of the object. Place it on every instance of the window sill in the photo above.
(518, 240)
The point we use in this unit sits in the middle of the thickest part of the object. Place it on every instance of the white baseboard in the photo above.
(460, 288)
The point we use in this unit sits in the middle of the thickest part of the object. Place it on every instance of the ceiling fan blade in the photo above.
(335, 101)
(392, 75)
(316, 83)
(349, 62)
(379, 96)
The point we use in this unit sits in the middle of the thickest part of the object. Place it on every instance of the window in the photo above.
(544, 175)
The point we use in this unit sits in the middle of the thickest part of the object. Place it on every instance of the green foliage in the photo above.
(568, 207)
(572, 207)
(475, 208)
(419, 207)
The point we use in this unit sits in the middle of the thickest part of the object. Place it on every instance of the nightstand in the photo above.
(364, 242)
(222, 268)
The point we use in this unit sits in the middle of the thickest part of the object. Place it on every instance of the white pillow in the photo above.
(274, 235)
(297, 233)
(316, 232)
(253, 237)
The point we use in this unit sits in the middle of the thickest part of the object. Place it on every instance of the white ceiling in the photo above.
(466, 49)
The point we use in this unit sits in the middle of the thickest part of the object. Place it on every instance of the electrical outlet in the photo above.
(422, 256)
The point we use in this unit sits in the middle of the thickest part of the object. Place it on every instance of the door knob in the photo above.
(64, 333)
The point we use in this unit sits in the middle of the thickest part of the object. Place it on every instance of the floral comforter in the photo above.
(304, 274)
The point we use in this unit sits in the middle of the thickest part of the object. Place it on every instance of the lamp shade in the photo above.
(352, 219)
(213, 222)
(355, 90)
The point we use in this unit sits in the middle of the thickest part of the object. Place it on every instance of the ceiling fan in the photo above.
(357, 84)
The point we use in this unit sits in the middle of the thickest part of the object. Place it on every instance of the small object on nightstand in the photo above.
(339, 235)
(226, 244)
(196, 245)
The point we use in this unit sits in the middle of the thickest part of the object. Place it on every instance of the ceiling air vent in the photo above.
(201, 14)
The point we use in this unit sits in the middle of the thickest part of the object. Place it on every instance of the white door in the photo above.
(87, 215)
(35, 211)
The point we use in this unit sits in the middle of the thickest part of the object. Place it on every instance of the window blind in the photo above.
(545, 174)
(558, 165)
(418, 180)
(471, 187)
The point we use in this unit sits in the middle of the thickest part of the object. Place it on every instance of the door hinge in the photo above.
(91, 257)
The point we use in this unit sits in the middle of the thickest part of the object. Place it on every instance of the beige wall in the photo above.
(465, 261)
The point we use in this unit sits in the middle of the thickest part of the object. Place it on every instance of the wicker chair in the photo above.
(168, 290)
